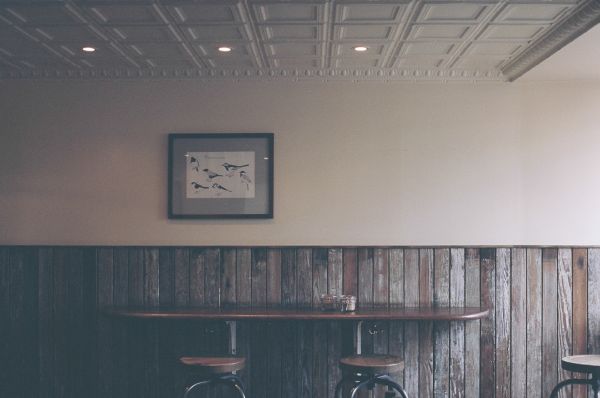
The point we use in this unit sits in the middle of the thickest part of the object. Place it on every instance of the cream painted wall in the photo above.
(355, 163)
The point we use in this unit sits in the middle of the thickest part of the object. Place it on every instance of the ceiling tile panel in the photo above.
(289, 32)
(142, 33)
(64, 33)
(369, 13)
(532, 12)
(287, 12)
(496, 48)
(428, 48)
(200, 13)
(302, 63)
(511, 32)
(420, 62)
(439, 32)
(363, 32)
(46, 14)
(453, 12)
(297, 50)
(215, 33)
(358, 62)
(347, 49)
(158, 50)
(124, 14)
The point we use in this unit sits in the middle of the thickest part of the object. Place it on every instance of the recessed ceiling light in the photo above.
(88, 49)
(225, 49)
(360, 49)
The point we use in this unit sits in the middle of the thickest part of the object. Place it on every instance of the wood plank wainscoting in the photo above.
(545, 304)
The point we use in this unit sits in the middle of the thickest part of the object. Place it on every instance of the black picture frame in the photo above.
(196, 191)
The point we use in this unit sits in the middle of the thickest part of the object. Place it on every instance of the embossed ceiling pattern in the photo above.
(429, 39)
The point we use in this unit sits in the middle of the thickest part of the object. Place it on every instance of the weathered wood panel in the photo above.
(472, 329)
(549, 320)
(503, 373)
(518, 348)
(543, 305)
(580, 309)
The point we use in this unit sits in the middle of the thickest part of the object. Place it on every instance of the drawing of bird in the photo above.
(219, 186)
(229, 166)
(194, 163)
(198, 186)
(211, 174)
(245, 179)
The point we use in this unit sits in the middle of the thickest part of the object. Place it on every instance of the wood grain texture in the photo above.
(411, 331)
(565, 313)
(518, 331)
(534, 323)
(426, 348)
(487, 375)
(549, 320)
(441, 330)
(472, 329)
(580, 309)
(457, 329)
(59, 345)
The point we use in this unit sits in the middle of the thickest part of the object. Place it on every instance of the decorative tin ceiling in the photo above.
(405, 40)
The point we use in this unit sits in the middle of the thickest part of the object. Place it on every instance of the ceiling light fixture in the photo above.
(88, 49)
(225, 49)
(360, 49)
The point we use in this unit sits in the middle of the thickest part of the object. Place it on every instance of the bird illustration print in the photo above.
(219, 186)
(229, 166)
(194, 163)
(211, 174)
(197, 186)
(245, 179)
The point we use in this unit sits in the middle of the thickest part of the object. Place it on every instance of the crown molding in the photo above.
(562, 34)
(379, 74)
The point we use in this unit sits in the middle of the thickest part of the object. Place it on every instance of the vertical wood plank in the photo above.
(273, 277)
(304, 329)
(549, 320)
(166, 270)
(197, 276)
(137, 338)
(518, 332)
(320, 328)
(396, 298)
(365, 297)
(457, 329)
(5, 346)
(411, 329)
(565, 313)
(120, 297)
(426, 338)
(244, 298)
(212, 277)
(487, 373)
(45, 336)
(503, 373)
(258, 370)
(275, 331)
(288, 299)
(244, 276)
(593, 300)
(228, 276)
(350, 262)
(334, 347)
(105, 298)
(534, 323)
(441, 298)
(381, 294)
(152, 298)
(472, 329)
(182, 276)
(580, 309)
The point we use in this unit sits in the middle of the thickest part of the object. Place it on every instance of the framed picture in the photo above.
(221, 175)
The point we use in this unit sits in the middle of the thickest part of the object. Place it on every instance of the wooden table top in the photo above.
(262, 313)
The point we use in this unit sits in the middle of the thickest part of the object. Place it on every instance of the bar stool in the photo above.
(589, 364)
(369, 370)
(215, 370)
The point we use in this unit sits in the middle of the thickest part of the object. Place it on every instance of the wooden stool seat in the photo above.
(582, 363)
(215, 365)
(372, 364)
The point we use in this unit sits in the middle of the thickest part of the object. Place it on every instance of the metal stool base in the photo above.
(368, 381)
(228, 379)
(594, 382)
